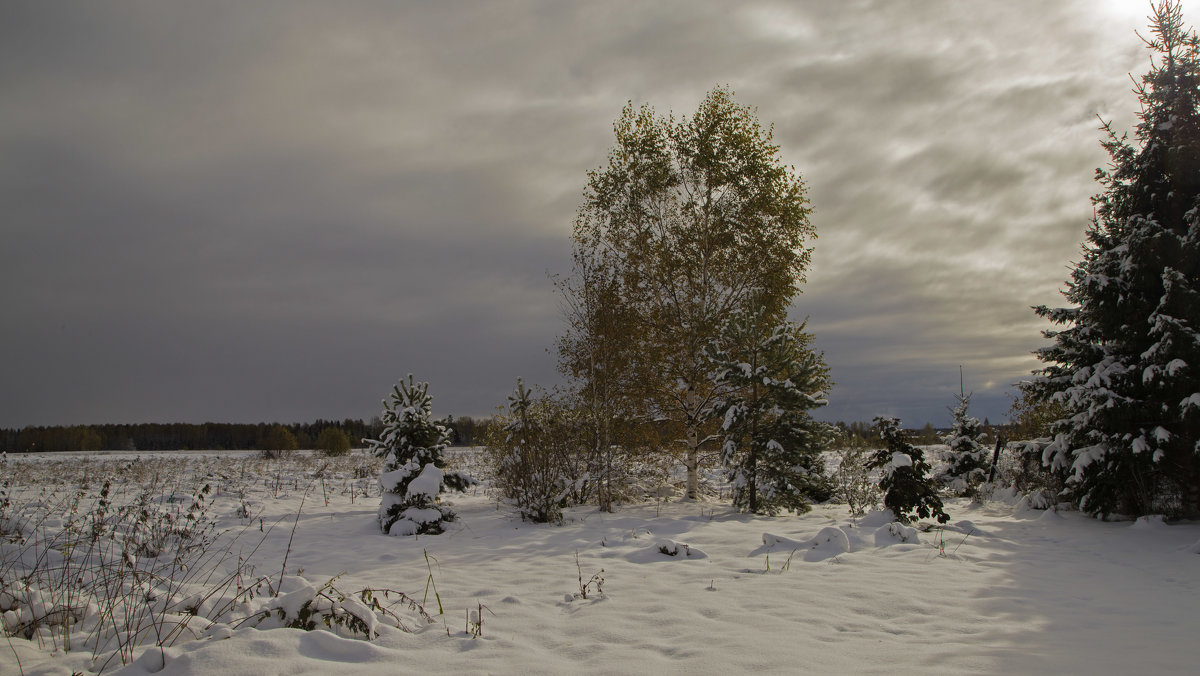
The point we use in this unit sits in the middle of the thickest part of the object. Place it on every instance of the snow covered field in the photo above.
(1001, 589)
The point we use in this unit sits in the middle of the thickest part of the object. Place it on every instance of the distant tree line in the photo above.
(207, 436)
(172, 436)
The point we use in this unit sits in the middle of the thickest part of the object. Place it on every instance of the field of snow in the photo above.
(686, 587)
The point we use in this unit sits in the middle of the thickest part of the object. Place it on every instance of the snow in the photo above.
(1149, 521)
(428, 483)
(1192, 401)
(898, 460)
(388, 481)
(829, 542)
(896, 533)
(669, 547)
(1002, 590)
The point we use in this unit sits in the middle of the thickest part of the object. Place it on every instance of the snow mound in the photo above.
(1150, 522)
(1195, 549)
(829, 542)
(682, 550)
(876, 517)
(1050, 515)
(773, 543)
(896, 533)
(1037, 500)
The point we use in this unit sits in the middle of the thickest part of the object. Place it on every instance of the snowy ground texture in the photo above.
(687, 587)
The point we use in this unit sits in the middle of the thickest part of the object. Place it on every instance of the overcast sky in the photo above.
(243, 212)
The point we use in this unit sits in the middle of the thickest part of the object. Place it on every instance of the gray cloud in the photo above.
(224, 211)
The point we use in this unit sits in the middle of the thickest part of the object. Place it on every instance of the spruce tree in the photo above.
(772, 445)
(904, 475)
(413, 471)
(967, 458)
(1124, 364)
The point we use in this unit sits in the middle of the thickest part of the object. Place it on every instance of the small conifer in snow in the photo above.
(967, 457)
(904, 476)
(413, 471)
(772, 446)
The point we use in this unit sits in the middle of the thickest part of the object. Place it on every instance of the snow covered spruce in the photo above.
(966, 458)
(904, 476)
(1123, 365)
(413, 472)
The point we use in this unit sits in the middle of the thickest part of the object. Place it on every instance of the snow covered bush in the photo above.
(967, 457)
(904, 477)
(298, 604)
(772, 445)
(1020, 467)
(852, 481)
(530, 457)
(413, 471)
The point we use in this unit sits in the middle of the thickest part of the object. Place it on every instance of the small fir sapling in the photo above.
(904, 476)
(967, 458)
(772, 445)
(411, 445)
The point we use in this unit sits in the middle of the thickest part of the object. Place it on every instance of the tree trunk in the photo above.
(752, 461)
(692, 459)
(752, 480)
(1191, 492)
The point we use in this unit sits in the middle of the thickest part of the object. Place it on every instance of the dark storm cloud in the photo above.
(235, 211)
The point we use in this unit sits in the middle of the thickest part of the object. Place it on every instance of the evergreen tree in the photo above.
(904, 475)
(1124, 365)
(967, 457)
(413, 471)
(772, 445)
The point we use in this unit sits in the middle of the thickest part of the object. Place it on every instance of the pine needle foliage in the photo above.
(412, 444)
(772, 445)
(966, 458)
(908, 489)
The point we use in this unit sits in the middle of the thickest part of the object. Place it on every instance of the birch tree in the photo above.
(699, 220)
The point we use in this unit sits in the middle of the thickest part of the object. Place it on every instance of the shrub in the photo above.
(277, 441)
(333, 442)
(531, 457)
(905, 480)
(853, 483)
